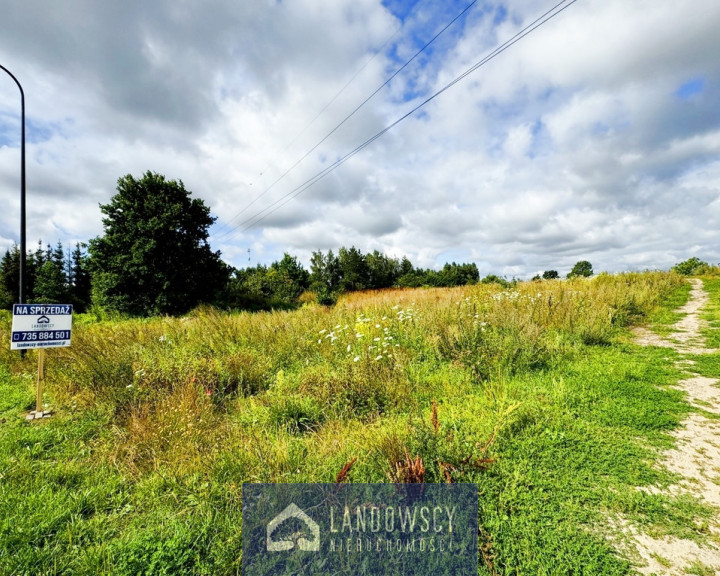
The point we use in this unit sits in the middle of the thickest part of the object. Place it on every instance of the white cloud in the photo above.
(573, 144)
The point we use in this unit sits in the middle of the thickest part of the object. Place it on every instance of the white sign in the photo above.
(41, 326)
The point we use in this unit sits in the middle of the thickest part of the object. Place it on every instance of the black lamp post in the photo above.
(23, 247)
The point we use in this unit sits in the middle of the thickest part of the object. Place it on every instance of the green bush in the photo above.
(690, 267)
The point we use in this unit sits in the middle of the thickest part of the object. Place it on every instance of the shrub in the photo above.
(690, 267)
(495, 279)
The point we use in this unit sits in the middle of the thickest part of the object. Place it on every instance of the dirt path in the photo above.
(696, 456)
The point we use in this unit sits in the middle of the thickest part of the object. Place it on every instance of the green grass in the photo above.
(663, 317)
(705, 364)
(159, 423)
(66, 510)
(712, 313)
(709, 364)
(700, 569)
(576, 463)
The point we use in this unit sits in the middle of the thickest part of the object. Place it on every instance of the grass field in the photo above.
(536, 394)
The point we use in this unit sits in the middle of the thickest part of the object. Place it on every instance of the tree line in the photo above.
(154, 258)
(284, 282)
(51, 275)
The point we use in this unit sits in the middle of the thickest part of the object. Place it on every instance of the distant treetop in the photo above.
(690, 267)
(583, 268)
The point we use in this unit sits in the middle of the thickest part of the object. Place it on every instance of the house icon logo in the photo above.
(43, 320)
(298, 538)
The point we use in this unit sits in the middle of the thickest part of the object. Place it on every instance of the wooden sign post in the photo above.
(41, 326)
(40, 378)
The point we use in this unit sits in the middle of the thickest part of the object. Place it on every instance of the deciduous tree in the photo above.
(154, 257)
(690, 266)
(582, 268)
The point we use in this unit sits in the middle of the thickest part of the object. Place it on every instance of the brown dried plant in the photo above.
(446, 469)
(343, 474)
(408, 471)
(487, 550)
(434, 418)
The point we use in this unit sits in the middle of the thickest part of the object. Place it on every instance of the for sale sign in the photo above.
(41, 326)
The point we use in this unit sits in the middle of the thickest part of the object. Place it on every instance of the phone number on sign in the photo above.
(41, 336)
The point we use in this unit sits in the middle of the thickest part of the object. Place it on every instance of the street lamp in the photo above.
(23, 247)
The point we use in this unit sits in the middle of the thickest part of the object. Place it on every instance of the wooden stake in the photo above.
(41, 377)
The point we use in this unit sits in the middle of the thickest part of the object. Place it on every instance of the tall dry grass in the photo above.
(277, 388)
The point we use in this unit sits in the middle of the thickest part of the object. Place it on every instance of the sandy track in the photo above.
(696, 456)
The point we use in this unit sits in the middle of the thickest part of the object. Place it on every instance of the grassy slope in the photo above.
(160, 422)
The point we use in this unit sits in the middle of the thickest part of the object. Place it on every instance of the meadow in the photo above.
(536, 393)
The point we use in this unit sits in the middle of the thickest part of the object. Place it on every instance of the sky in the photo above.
(596, 137)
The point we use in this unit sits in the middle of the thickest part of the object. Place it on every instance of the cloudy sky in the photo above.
(595, 137)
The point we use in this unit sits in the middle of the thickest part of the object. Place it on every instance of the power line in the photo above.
(280, 202)
(350, 115)
(314, 119)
